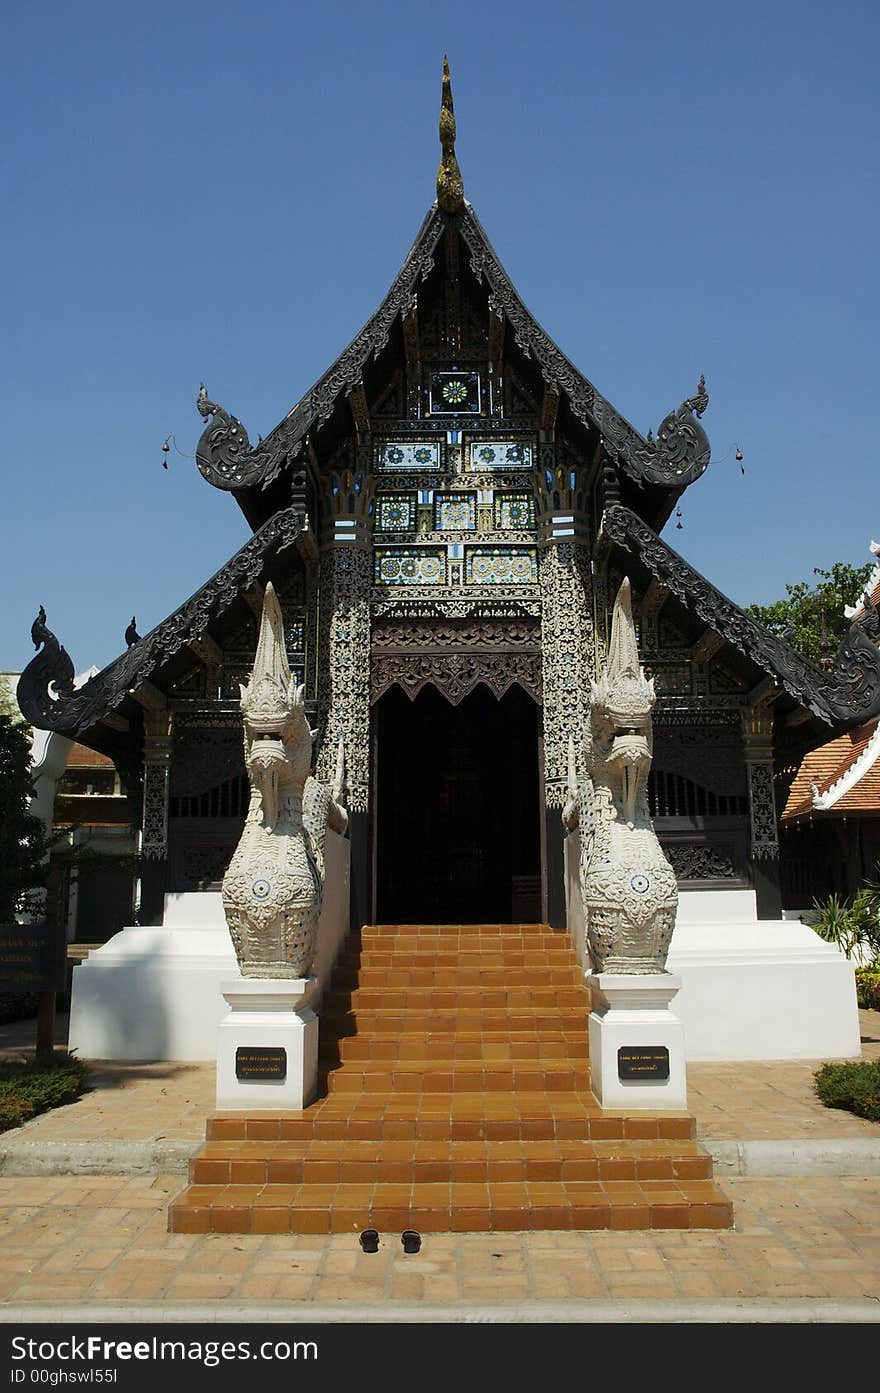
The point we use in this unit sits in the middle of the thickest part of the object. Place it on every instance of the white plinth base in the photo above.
(751, 988)
(155, 992)
(631, 1014)
(267, 1014)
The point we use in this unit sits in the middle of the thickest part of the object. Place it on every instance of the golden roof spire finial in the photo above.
(450, 185)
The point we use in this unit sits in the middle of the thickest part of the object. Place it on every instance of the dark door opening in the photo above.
(458, 815)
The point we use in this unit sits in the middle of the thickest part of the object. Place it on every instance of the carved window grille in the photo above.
(672, 795)
(227, 799)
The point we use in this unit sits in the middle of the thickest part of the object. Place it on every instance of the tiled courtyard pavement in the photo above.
(102, 1240)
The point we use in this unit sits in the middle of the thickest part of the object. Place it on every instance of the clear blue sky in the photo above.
(224, 191)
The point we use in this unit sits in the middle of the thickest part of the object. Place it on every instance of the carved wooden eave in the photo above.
(846, 696)
(657, 469)
(46, 694)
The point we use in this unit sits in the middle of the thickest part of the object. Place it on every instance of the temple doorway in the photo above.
(457, 821)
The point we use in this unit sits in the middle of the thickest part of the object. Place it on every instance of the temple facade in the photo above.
(446, 517)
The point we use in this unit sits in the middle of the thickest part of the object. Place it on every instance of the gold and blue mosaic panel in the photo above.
(514, 511)
(488, 455)
(396, 512)
(501, 565)
(455, 512)
(410, 566)
(454, 393)
(409, 455)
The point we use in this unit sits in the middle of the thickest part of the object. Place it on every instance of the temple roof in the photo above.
(451, 234)
(842, 777)
(651, 473)
(839, 778)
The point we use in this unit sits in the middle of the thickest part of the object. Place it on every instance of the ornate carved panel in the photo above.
(344, 690)
(456, 674)
(566, 646)
(155, 830)
(765, 841)
(704, 862)
(455, 658)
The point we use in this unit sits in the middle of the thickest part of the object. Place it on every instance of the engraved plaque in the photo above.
(643, 1062)
(261, 1063)
(33, 958)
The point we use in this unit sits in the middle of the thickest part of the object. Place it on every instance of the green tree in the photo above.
(812, 617)
(24, 845)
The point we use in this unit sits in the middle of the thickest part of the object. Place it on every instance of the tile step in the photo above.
(431, 1048)
(444, 1208)
(385, 999)
(413, 1076)
(522, 1022)
(451, 978)
(471, 1117)
(342, 1162)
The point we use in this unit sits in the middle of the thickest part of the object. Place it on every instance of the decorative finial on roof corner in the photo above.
(450, 185)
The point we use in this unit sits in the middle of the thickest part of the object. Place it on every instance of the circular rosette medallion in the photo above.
(639, 883)
(261, 888)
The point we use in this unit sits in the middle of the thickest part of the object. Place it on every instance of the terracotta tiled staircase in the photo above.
(454, 1096)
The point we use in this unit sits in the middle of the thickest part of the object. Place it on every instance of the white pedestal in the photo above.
(631, 1026)
(267, 1046)
(156, 992)
(750, 988)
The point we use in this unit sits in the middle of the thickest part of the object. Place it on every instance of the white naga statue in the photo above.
(273, 887)
(628, 886)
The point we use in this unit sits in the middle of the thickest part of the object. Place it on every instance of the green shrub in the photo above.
(29, 1087)
(854, 1086)
(868, 987)
(853, 925)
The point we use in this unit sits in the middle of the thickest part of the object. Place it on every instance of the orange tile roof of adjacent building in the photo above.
(824, 767)
(82, 758)
(821, 769)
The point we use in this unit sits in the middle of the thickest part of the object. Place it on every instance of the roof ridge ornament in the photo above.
(224, 454)
(450, 185)
(679, 453)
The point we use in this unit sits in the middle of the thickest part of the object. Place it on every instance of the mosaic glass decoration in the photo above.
(396, 512)
(514, 511)
(410, 566)
(454, 394)
(455, 512)
(488, 455)
(294, 635)
(412, 455)
(501, 565)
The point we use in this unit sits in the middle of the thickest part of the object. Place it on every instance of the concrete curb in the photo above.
(741, 1310)
(839, 1156)
(22, 1157)
(834, 1157)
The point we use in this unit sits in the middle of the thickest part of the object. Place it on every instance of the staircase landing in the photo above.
(454, 1098)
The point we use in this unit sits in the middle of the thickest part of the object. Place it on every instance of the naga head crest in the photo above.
(271, 699)
(621, 713)
(622, 690)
